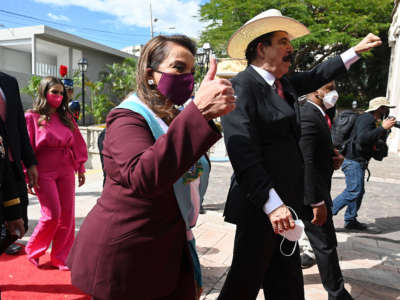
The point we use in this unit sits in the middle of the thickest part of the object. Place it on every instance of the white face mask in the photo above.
(294, 234)
(330, 99)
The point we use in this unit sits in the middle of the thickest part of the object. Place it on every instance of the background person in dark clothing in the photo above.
(320, 159)
(20, 149)
(11, 222)
(367, 138)
(100, 141)
(10, 204)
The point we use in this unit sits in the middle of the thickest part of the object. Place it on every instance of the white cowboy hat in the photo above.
(377, 102)
(265, 22)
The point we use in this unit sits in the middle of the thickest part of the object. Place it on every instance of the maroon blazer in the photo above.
(132, 245)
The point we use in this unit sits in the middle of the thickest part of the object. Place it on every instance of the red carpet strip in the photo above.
(21, 280)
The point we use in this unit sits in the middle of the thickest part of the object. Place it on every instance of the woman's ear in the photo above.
(149, 73)
(149, 77)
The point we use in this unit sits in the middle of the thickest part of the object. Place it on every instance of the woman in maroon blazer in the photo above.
(133, 245)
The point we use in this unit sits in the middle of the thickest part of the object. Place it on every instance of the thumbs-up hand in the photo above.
(215, 97)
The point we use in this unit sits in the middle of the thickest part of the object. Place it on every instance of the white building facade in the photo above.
(393, 89)
(40, 50)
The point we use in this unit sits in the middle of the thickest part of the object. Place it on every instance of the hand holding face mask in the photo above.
(292, 235)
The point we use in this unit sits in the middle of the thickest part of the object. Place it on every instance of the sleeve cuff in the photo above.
(81, 169)
(349, 57)
(317, 204)
(273, 202)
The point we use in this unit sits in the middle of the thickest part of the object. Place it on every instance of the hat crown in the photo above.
(377, 102)
(273, 12)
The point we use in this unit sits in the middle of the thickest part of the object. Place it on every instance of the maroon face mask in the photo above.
(176, 87)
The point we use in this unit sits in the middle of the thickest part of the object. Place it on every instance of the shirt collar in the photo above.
(268, 77)
(319, 107)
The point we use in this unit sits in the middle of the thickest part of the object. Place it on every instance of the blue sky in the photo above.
(127, 22)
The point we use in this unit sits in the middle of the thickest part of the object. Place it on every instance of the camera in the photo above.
(397, 124)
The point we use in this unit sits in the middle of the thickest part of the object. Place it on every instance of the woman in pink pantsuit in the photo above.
(61, 152)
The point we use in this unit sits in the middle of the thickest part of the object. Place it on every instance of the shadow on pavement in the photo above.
(214, 207)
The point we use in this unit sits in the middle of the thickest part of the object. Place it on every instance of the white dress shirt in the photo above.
(349, 57)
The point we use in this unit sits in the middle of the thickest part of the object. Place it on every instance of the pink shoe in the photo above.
(34, 261)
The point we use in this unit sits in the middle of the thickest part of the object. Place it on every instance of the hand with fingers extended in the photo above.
(281, 219)
(215, 97)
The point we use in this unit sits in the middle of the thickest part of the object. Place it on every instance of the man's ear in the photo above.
(260, 50)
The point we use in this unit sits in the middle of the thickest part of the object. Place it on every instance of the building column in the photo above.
(393, 94)
(70, 69)
(33, 54)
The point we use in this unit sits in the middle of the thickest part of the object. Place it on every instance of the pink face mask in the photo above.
(54, 100)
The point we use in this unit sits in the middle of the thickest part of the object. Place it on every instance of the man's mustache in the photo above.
(288, 57)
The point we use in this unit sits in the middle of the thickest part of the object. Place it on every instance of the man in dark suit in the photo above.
(320, 159)
(12, 112)
(261, 136)
(10, 204)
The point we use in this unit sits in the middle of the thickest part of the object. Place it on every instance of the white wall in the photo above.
(14, 60)
(97, 61)
(46, 59)
(22, 79)
(393, 91)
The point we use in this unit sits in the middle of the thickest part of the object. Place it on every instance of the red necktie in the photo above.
(328, 120)
(279, 89)
(2, 108)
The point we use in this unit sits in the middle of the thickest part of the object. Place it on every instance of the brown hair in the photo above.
(251, 50)
(153, 54)
(41, 106)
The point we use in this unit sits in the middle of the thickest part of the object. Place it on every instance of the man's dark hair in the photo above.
(251, 51)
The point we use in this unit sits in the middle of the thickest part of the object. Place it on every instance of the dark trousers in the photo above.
(257, 262)
(23, 195)
(324, 243)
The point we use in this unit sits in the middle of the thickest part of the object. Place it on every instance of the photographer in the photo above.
(368, 139)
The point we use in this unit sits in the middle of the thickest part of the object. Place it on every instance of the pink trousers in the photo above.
(56, 195)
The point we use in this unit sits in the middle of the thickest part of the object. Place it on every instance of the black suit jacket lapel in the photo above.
(269, 93)
(322, 119)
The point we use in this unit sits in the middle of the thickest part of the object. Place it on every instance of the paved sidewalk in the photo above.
(215, 238)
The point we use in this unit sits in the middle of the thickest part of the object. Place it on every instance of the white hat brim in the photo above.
(377, 107)
(239, 41)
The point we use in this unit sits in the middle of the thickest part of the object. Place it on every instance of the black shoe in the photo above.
(306, 261)
(202, 211)
(13, 249)
(355, 225)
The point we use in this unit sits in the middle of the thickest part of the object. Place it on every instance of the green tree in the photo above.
(120, 78)
(334, 25)
(115, 82)
(33, 86)
(100, 103)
